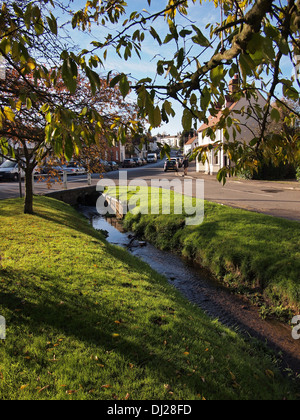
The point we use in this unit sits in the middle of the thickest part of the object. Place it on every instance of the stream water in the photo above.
(200, 288)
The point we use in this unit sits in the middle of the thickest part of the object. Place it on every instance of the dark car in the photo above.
(138, 161)
(51, 170)
(129, 163)
(114, 166)
(171, 165)
(105, 165)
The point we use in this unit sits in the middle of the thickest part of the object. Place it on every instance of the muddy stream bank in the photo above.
(200, 288)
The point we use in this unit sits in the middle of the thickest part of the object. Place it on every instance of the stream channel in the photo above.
(200, 288)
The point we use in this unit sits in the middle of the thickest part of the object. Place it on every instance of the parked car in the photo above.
(138, 161)
(178, 160)
(114, 166)
(47, 169)
(152, 158)
(10, 171)
(75, 167)
(70, 170)
(129, 163)
(105, 165)
(171, 165)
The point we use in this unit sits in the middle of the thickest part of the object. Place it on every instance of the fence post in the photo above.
(65, 180)
(89, 179)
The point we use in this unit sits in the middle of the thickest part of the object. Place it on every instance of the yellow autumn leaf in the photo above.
(269, 373)
(31, 65)
(24, 386)
(232, 376)
(9, 114)
(116, 335)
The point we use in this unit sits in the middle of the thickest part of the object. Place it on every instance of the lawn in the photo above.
(86, 320)
(252, 253)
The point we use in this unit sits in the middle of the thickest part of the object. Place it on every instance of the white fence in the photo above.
(87, 177)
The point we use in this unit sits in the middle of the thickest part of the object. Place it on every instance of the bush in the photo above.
(298, 174)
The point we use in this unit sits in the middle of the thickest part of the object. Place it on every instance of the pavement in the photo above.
(280, 199)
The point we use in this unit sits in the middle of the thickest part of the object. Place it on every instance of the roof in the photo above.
(191, 141)
(212, 121)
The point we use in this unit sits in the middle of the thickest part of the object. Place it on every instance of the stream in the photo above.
(200, 288)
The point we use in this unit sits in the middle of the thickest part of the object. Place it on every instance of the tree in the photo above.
(45, 102)
(252, 40)
(27, 131)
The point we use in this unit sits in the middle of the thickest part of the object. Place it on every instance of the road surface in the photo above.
(281, 199)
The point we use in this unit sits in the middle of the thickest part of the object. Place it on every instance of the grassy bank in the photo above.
(254, 253)
(86, 320)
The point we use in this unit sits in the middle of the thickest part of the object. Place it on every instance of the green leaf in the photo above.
(275, 115)
(155, 35)
(52, 24)
(124, 86)
(247, 66)
(168, 38)
(217, 74)
(68, 148)
(168, 108)
(69, 74)
(291, 93)
(115, 80)
(155, 117)
(187, 120)
(283, 46)
(205, 98)
(200, 39)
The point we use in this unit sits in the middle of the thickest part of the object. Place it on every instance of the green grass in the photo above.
(86, 320)
(251, 252)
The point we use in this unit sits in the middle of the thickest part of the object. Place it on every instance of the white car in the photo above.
(9, 171)
(152, 158)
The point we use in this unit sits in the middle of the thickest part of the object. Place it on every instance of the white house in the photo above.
(172, 141)
(152, 145)
(248, 125)
(190, 145)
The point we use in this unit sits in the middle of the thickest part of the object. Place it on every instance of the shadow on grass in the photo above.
(63, 312)
(51, 304)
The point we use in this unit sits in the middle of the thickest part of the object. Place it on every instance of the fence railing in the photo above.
(65, 181)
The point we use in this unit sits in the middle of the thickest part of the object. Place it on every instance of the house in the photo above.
(190, 145)
(172, 141)
(115, 153)
(217, 159)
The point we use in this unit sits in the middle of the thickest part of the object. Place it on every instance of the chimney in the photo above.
(234, 86)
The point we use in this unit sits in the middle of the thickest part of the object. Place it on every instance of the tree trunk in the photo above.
(28, 207)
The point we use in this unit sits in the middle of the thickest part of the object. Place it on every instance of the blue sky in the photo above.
(201, 15)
